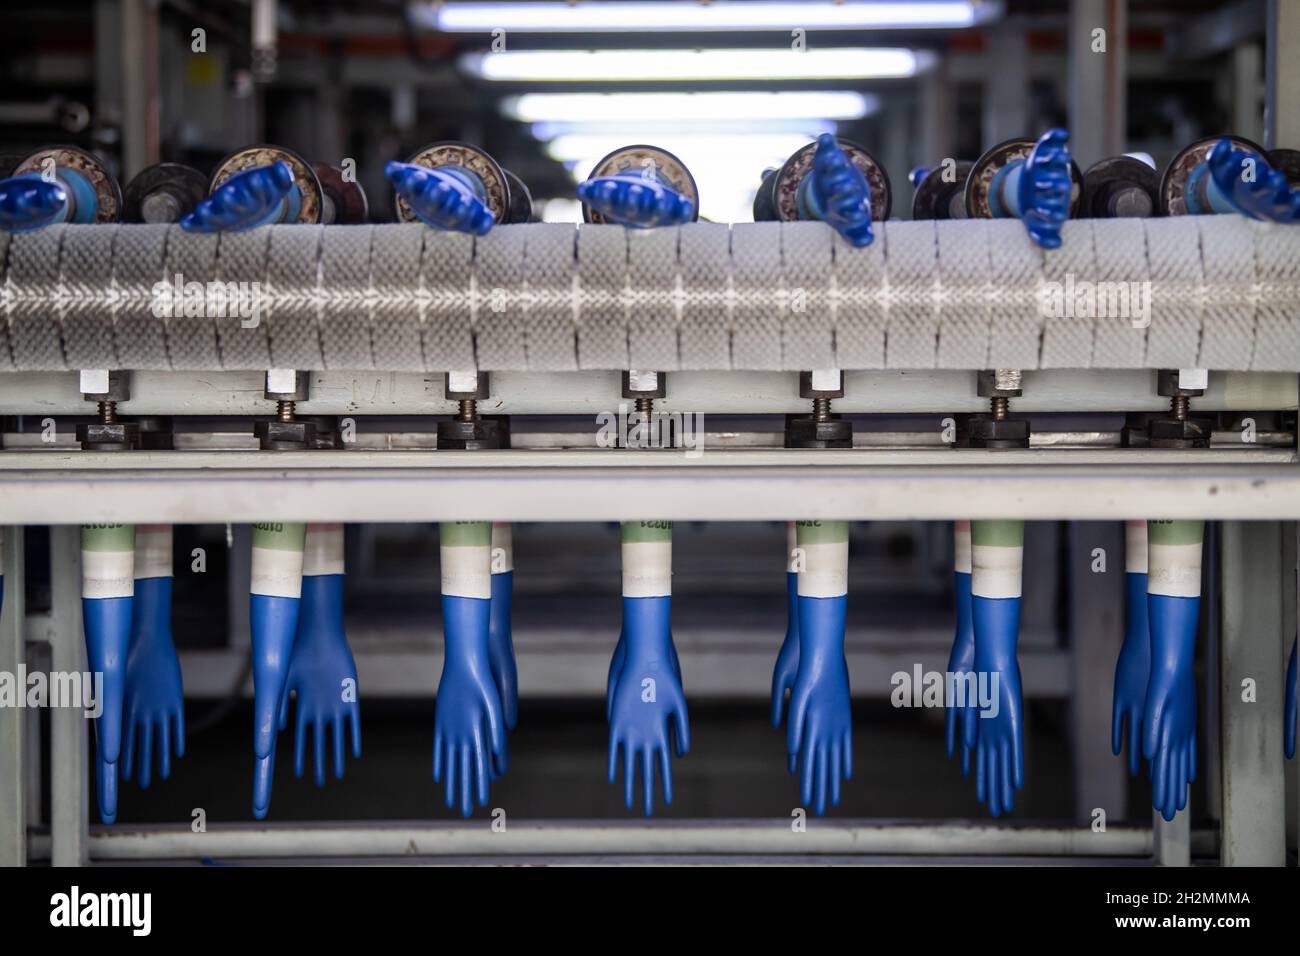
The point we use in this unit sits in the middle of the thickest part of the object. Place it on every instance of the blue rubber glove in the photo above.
(29, 202)
(441, 199)
(997, 737)
(640, 202)
(616, 668)
(1169, 731)
(245, 200)
(1266, 195)
(1291, 703)
(1045, 188)
(322, 678)
(998, 742)
(787, 659)
(274, 627)
(155, 703)
(107, 623)
(821, 719)
(961, 660)
(839, 193)
(1169, 728)
(108, 588)
(647, 706)
(1132, 672)
(469, 734)
(501, 649)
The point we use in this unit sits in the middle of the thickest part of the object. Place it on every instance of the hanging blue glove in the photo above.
(997, 550)
(444, 198)
(838, 193)
(787, 659)
(274, 601)
(1291, 703)
(820, 731)
(1173, 603)
(154, 698)
(107, 589)
(29, 202)
(636, 201)
(647, 706)
(1263, 194)
(254, 197)
(961, 660)
(1133, 668)
(1046, 188)
(155, 701)
(322, 677)
(501, 648)
(469, 733)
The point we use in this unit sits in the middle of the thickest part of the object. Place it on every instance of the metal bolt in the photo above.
(999, 405)
(468, 410)
(284, 411)
(1180, 406)
(108, 413)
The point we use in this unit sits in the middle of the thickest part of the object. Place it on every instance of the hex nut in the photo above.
(1169, 384)
(638, 384)
(1180, 433)
(102, 385)
(821, 383)
(109, 436)
(467, 386)
(998, 383)
(804, 431)
(277, 435)
(287, 385)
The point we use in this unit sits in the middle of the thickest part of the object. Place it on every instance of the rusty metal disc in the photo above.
(1173, 184)
(478, 162)
(994, 159)
(108, 195)
(649, 161)
(785, 187)
(304, 177)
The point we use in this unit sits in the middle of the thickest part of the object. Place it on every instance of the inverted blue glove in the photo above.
(248, 199)
(29, 202)
(820, 732)
(322, 678)
(1045, 188)
(961, 660)
(1169, 730)
(501, 648)
(1264, 194)
(839, 194)
(441, 198)
(107, 623)
(1291, 703)
(787, 659)
(647, 707)
(155, 703)
(469, 734)
(641, 202)
(274, 626)
(998, 741)
(1132, 672)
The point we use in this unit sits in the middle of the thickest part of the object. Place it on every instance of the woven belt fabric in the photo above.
(1217, 292)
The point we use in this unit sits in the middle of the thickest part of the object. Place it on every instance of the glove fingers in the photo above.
(981, 787)
(648, 778)
(1008, 794)
(146, 753)
(437, 754)
(299, 742)
(338, 729)
(128, 745)
(666, 771)
(318, 750)
(179, 718)
(465, 770)
(354, 719)
(835, 774)
(629, 772)
(164, 748)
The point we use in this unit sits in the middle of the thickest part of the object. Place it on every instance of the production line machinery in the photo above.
(252, 296)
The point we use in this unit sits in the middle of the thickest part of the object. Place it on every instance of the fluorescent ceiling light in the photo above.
(714, 149)
(687, 107)
(598, 17)
(634, 132)
(837, 63)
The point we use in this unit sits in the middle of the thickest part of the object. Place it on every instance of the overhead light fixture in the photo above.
(678, 15)
(688, 107)
(567, 66)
